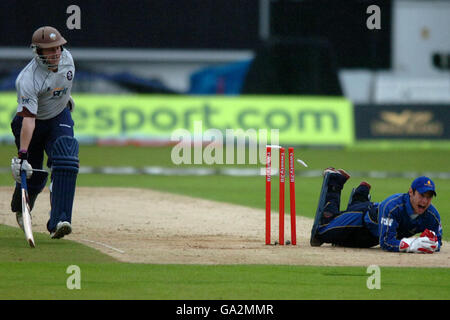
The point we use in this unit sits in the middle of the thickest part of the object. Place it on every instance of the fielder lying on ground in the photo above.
(391, 223)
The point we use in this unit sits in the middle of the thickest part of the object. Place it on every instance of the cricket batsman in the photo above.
(44, 123)
(391, 223)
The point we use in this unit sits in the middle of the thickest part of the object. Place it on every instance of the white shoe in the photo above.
(62, 228)
(19, 219)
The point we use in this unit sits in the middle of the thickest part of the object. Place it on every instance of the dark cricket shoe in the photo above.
(361, 193)
(314, 241)
(63, 228)
(329, 170)
(336, 178)
(365, 184)
(341, 172)
(344, 173)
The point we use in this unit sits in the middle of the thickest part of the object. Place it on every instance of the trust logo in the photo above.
(58, 92)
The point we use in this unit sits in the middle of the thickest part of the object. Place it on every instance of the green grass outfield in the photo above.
(40, 273)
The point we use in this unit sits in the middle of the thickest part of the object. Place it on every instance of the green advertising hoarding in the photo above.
(301, 120)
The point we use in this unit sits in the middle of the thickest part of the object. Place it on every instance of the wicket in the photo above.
(282, 174)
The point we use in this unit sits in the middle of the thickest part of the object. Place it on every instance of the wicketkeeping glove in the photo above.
(21, 163)
(430, 235)
(418, 245)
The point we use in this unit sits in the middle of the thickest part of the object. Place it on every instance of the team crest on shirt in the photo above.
(69, 75)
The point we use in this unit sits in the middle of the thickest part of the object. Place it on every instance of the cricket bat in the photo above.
(26, 216)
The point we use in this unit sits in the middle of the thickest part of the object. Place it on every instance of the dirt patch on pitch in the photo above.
(145, 226)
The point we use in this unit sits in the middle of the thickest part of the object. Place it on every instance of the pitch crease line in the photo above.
(104, 244)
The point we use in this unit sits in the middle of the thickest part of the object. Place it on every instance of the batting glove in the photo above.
(21, 163)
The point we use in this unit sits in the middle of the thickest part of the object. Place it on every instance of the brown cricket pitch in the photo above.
(146, 226)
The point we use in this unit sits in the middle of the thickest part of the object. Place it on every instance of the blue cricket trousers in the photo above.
(45, 134)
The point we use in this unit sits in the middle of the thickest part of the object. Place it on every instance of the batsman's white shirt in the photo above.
(43, 92)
